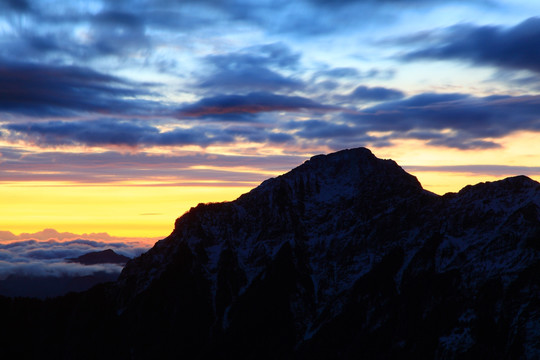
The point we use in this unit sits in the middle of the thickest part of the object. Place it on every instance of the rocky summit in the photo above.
(344, 257)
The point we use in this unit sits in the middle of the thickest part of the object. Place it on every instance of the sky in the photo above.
(118, 116)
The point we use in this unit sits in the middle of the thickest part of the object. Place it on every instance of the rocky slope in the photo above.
(344, 257)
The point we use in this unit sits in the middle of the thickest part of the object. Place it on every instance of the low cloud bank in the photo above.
(38, 257)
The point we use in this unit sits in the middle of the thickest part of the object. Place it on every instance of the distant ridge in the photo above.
(100, 257)
(343, 257)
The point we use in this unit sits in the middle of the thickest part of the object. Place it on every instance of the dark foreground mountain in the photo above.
(344, 257)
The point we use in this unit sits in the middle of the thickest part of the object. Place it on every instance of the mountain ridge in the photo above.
(345, 256)
(107, 256)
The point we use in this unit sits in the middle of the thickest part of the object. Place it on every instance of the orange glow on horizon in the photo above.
(146, 207)
(126, 211)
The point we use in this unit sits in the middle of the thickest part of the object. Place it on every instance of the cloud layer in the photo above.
(48, 257)
(47, 90)
(514, 47)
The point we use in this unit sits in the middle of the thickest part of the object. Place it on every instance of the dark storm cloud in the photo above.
(253, 69)
(41, 90)
(515, 47)
(366, 94)
(252, 103)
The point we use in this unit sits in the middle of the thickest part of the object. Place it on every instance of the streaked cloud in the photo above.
(514, 47)
(251, 103)
(47, 90)
(148, 168)
(452, 120)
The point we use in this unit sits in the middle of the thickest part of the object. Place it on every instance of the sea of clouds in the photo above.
(33, 255)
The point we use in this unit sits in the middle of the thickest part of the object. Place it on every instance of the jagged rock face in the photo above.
(347, 255)
(344, 257)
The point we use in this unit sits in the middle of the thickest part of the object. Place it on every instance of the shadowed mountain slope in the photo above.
(344, 257)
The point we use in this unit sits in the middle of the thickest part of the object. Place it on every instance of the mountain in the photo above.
(344, 257)
(100, 257)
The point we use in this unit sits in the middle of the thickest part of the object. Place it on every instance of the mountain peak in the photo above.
(345, 256)
(100, 257)
(349, 173)
(500, 188)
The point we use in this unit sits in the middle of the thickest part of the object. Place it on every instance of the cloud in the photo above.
(251, 69)
(496, 170)
(118, 33)
(403, 3)
(246, 79)
(252, 103)
(112, 166)
(134, 133)
(48, 258)
(452, 120)
(43, 90)
(367, 94)
(277, 55)
(317, 129)
(353, 73)
(16, 5)
(504, 47)
(110, 132)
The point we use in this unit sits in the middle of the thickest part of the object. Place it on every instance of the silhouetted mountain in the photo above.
(100, 257)
(344, 257)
